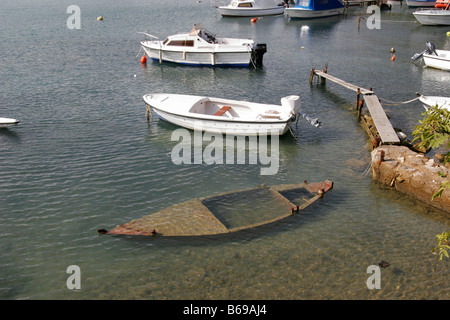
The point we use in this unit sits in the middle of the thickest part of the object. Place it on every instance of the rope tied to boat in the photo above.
(250, 51)
(398, 103)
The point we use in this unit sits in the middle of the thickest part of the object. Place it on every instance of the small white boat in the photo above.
(307, 9)
(434, 58)
(420, 3)
(432, 101)
(440, 60)
(201, 48)
(226, 116)
(7, 122)
(433, 16)
(248, 8)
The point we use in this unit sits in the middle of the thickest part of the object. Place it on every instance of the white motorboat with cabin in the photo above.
(8, 122)
(200, 47)
(433, 16)
(307, 9)
(434, 58)
(248, 8)
(432, 101)
(225, 116)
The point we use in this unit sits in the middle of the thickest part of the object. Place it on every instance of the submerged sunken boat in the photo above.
(226, 212)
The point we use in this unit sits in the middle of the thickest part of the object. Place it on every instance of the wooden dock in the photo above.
(383, 126)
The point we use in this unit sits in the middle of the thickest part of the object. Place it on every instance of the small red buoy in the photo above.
(143, 59)
(254, 20)
(393, 57)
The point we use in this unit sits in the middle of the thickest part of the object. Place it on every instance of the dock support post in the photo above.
(311, 76)
(358, 92)
(324, 80)
(360, 106)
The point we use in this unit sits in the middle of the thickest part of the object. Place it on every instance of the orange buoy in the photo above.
(254, 20)
(143, 59)
(393, 57)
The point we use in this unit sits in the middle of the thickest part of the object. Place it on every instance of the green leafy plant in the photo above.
(434, 132)
(443, 245)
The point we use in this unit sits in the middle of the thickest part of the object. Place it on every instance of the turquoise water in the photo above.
(84, 158)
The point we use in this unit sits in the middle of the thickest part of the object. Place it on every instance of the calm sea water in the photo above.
(84, 157)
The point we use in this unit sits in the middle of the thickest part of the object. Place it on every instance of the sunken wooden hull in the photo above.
(197, 218)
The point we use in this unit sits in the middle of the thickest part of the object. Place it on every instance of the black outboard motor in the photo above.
(431, 48)
(258, 53)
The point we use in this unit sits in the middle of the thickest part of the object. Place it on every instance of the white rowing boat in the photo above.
(226, 116)
(432, 101)
(7, 122)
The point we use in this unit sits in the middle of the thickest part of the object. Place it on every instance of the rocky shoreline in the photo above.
(411, 173)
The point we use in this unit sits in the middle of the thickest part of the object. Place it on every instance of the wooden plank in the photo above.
(342, 82)
(380, 119)
(222, 111)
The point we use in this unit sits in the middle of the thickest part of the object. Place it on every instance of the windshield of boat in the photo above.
(199, 30)
(207, 36)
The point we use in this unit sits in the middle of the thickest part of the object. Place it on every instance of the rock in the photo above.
(411, 173)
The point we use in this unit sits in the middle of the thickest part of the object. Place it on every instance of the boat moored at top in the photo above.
(441, 4)
(307, 9)
(202, 48)
(420, 3)
(438, 16)
(248, 8)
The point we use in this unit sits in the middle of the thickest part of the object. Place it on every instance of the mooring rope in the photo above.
(398, 103)
(292, 132)
(138, 53)
(249, 50)
(367, 170)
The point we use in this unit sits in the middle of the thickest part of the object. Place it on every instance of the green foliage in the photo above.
(443, 186)
(443, 245)
(434, 132)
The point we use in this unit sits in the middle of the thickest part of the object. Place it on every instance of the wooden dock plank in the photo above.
(342, 82)
(381, 121)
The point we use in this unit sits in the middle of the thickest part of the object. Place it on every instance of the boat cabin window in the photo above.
(165, 41)
(303, 3)
(181, 43)
(248, 5)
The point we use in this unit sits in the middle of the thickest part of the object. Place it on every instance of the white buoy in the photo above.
(100, 18)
